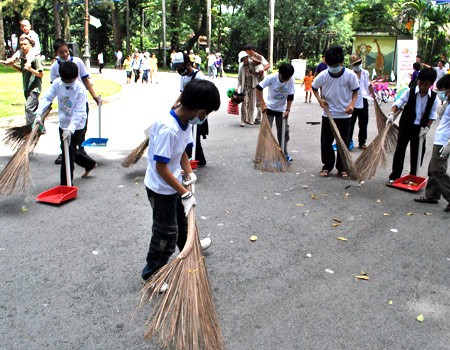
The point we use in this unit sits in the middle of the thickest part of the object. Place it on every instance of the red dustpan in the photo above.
(60, 194)
(412, 183)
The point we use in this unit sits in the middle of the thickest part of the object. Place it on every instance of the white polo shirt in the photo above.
(421, 103)
(442, 135)
(82, 71)
(185, 79)
(363, 91)
(278, 91)
(337, 91)
(168, 140)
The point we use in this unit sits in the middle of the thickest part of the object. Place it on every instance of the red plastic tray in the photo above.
(194, 164)
(58, 195)
(410, 183)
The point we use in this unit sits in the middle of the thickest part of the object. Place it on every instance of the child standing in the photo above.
(127, 67)
(72, 114)
(25, 27)
(279, 100)
(339, 92)
(167, 159)
(419, 111)
(307, 81)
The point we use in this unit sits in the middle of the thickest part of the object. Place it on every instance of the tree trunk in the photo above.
(174, 20)
(2, 35)
(117, 32)
(57, 19)
(67, 35)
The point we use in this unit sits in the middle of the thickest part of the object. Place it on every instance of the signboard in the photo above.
(406, 56)
(94, 21)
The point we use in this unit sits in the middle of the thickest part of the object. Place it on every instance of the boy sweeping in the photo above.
(167, 160)
(71, 95)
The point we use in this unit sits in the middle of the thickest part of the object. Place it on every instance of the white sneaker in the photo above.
(205, 243)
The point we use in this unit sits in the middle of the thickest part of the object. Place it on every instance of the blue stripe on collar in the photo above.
(182, 126)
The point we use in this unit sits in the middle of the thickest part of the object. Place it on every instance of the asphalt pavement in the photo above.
(70, 275)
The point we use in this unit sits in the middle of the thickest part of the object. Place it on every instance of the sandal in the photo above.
(324, 173)
(343, 174)
(424, 199)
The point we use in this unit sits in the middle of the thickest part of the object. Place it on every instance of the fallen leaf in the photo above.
(308, 255)
(394, 230)
(390, 302)
(428, 213)
(420, 318)
(329, 271)
(335, 225)
(300, 205)
(409, 214)
(314, 196)
(386, 214)
(253, 238)
(304, 186)
(347, 195)
(337, 220)
(363, 273)
(366, 278)
(342, 239)
(378, 201)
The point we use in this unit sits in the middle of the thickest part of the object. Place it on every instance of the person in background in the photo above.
(281, 90)
(171, 202)
(320, 67)
(32, 74)
(361, 111)
(153, 68)
(219, 65)
(416, 66)
(419, 111)
(35, 51)
(145, 67)
(119, 56)
(127, 67)
(246, 84)
(212, 65)
(339, 93)
(438, 183)
(307, 81)
(136, 66)
(101, 62)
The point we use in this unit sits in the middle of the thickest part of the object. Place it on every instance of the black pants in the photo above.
(75, 156)
(199, 155)
(405, 136)
(362, 114)
(101, 67)
(278, 116)
(326, 142)
(169, 230)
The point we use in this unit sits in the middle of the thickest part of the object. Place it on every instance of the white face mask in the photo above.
(197, 121)
(69, 85)
(357, 68)
(334, 70)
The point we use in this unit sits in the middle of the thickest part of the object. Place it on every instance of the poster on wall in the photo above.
(406, 56)
(377, 53)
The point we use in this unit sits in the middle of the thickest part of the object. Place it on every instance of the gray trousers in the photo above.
(31, 105)
(438, 179)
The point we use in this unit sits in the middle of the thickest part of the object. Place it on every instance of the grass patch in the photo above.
(12, 100)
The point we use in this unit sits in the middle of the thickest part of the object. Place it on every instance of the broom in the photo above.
(184, 317)
(269, 156)
(16, 174)
(392, 135)
(15, 136)
(347, 160)
(136, 154)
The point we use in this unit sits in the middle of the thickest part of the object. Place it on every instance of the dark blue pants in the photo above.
(169, 230)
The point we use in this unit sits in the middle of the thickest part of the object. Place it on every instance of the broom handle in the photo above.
(99, 116)
(67, 162)
(283, 134)
(419, 154)
(194, 137)
(191, 227)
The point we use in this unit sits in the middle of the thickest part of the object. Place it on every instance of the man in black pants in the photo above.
(419, 112)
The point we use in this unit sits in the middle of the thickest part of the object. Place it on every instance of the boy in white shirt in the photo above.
(279, 100)
(339, 92)
(71, 95)
(167, 160)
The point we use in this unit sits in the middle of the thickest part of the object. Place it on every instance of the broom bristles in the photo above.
(392, 135)
(15, 136)
(136, 154)
(184, 317)
(347, 160)
(269, 156)
(16, 174)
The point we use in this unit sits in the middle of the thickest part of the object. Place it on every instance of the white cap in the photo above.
(178, 58)
(241, 55)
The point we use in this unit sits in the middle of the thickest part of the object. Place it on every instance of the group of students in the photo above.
(141, 62)
(70, 83)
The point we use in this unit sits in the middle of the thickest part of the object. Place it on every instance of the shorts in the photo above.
(129, 74)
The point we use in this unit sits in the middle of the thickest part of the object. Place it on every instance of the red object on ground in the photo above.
(232, 108)
(194, 164)
(58, 194)
(410, 183)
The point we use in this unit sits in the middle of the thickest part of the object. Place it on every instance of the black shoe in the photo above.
(59, 159)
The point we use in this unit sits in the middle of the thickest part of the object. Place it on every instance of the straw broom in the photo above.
(184, 317)
(269, 156)
(347, 160)
(136, 154)
(15, 136)
(16, 174)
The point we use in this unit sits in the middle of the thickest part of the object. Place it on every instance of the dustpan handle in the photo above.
(67, 163)
(419, 154)
(99, 116)
(194, 138)
(283, 134)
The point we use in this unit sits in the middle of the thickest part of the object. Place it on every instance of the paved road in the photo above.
(70, 275)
